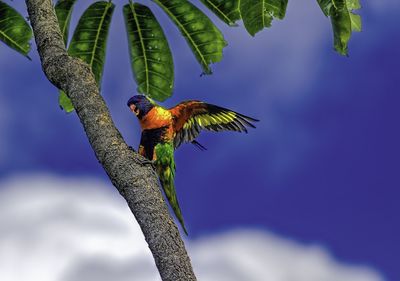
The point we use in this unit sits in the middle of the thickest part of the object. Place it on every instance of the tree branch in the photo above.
(128, 171)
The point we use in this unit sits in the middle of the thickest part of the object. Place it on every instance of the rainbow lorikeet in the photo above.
(164, 130)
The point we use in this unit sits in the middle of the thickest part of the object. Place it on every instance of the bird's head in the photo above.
(140, 105)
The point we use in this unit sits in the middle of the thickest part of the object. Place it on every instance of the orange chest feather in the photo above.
(157, 117)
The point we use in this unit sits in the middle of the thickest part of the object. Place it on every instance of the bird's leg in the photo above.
(144, 161)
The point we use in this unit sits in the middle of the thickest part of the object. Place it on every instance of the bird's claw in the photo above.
(148, 162)
(143, 161)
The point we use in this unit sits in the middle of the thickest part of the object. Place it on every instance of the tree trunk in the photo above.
(130, 173)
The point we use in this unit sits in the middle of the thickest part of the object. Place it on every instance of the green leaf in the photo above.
(15, 32)
(341, 25)
(353, 5)
(89, 42)
(63, 11)
(151, 58)
(343, 20)
(325, 6)
(65, 103)
(356, 24)
(90, 37)
(226, 10)
(257, 14)
(203, 37)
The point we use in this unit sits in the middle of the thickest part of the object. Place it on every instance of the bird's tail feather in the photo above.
(166, 172)
(167, 183)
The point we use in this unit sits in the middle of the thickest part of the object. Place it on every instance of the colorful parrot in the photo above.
(164, 130)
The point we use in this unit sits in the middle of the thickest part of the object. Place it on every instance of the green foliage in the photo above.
(65, 103)
(326, 6)
(356, 24)
(343, 20)
(353, 5)
(150, 54)
(63, 11)
(151, 58)
(226, 10)
(89, 42)
(90, 37)
(203, 37)
(14, 30)
(341, 25)
(257, 14)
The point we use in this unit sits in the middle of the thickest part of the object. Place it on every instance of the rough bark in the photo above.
(130, 174)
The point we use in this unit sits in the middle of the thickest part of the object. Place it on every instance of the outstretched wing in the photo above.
(190, 117)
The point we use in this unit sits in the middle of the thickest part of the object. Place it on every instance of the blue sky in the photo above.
(321, 167)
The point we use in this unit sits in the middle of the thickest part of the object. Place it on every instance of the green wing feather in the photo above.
(165, 166)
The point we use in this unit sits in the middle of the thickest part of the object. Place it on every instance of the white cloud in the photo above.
(259, 256)
(70, 230)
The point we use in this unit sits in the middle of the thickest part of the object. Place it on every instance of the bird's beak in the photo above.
(134, 109)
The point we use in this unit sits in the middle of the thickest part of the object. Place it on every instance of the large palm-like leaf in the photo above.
(90, 37)
(344, 21)
(89, 42)
(226, 10)
(63, 11)
(258, 14)
(14, 30)
(151, 58)
(203, 37)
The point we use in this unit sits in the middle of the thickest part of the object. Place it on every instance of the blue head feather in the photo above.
(143, 104)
